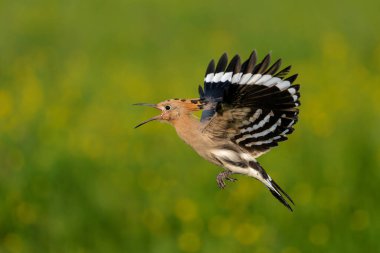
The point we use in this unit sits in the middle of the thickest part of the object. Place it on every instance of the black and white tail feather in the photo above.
(273, 187)
(253, 105)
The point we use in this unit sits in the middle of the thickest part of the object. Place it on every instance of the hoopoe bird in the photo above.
(246, 110)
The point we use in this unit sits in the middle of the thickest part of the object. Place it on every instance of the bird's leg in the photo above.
(225, 175)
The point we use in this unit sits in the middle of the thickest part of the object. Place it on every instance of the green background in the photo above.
(76, 177)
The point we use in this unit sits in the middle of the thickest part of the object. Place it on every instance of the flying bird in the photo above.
(247, 108)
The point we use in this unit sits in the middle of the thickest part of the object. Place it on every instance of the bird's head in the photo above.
(173, 109)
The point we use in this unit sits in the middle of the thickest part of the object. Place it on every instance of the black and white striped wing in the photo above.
(216, 81)
(258, 106)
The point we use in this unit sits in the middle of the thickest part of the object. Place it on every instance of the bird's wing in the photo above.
(216, 81)
(251, 104)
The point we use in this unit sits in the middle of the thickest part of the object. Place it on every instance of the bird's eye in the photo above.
(168, 107)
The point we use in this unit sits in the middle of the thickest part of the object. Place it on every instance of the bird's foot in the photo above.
(222, 176)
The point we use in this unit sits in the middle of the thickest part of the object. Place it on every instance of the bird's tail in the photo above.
(276, 191)
(273, 187)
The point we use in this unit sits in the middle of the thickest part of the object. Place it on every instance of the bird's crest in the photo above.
(195, 104)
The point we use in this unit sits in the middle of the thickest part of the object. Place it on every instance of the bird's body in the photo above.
(247, 109)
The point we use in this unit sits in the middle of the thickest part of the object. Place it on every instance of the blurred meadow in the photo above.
(76, 177)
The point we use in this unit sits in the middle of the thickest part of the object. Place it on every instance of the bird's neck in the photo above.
(188, 128)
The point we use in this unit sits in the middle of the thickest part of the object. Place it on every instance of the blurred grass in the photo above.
(76, 177)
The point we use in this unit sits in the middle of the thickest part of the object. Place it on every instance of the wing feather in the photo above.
(253, 105)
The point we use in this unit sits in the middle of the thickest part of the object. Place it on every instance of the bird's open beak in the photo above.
(151, 119)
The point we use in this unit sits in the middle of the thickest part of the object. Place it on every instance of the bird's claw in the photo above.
(220, 179)
(231, 179)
